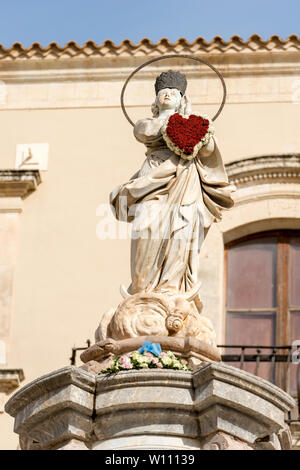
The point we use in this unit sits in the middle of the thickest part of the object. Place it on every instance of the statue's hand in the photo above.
(207, 149)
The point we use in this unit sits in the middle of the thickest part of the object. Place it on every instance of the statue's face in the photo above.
(168, 98)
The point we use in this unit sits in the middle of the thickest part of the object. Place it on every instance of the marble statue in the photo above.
(171, 202)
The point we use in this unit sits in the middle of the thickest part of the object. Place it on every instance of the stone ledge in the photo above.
(154, 377)
(54, 409)
(295, 430)
(284, 168)
(69, 375)
(245, 380)
(219, 406)
(10, 379)
(18, 183)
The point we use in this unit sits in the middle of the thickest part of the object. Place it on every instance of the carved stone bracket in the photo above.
(18, 183)
(295, 430)
(10, 379)
(54, 410)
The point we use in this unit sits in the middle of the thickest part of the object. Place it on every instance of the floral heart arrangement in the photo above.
(149, 356)
(185, 135)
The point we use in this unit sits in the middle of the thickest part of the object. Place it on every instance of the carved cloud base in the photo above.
(216, 408)
(156, 314)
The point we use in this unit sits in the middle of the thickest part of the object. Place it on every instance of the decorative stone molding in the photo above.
(54, 409)
(295, 430)
(264, 169)
(217, 408)
(221, 441)
(264, 178)
(223, 395)
(92, 75)
(158, 315)
(18, 183)
(145, 47)
(10, 379)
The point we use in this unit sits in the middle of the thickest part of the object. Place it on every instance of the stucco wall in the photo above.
(65, 276)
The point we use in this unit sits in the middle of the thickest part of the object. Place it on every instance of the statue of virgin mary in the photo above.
(171, 201)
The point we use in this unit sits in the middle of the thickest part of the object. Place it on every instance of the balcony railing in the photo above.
(75, 350)
(278, 364)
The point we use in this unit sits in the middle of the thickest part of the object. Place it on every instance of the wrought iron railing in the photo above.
(285, 357)
(74, 352)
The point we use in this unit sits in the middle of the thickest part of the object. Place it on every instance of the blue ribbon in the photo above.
(153, 348)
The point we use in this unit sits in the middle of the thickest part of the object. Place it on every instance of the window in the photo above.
(263, 296)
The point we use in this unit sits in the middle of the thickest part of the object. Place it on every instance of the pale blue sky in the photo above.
(44, 21)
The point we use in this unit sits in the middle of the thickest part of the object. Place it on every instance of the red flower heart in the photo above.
(186, 133)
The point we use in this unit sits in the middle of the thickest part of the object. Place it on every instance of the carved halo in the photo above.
(170, 57)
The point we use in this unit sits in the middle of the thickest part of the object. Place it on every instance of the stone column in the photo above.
(216, 407)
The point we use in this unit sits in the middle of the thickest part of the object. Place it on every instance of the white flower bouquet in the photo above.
(147, 360)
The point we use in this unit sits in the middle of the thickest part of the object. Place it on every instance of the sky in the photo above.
(60, 21)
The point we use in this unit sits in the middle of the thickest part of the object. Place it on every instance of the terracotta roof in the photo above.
(146, 47)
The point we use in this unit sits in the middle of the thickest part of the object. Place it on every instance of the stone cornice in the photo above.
(256, 385)
(146, 47)
(265, 169)
(18, 183)
(10, 379)
(89, 76)
(69, 375)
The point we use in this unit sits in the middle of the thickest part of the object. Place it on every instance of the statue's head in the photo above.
(168, 98)
(171, 79)
(170, 90)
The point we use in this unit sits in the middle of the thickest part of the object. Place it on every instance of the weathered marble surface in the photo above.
(10, 380)
(171, 201)
(217, 408)
(54, 409)
(156, 314)
(295, 430)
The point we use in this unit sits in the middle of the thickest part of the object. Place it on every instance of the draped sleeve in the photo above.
(148, 132)
(154, 178)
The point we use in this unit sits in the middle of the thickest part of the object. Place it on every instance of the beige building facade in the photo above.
(65, 145)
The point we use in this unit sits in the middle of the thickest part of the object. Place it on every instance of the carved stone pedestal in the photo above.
(216, 407)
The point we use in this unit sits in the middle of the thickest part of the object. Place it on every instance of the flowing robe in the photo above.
(171, 202)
